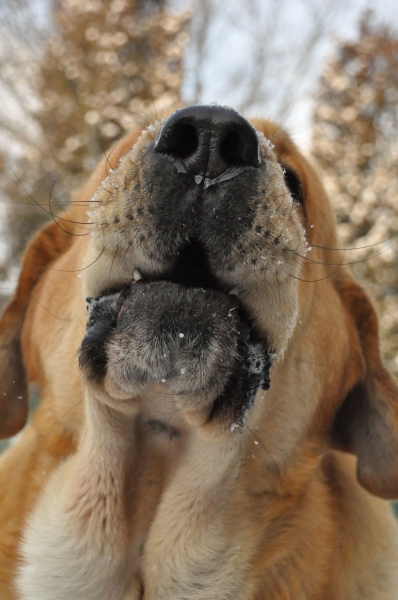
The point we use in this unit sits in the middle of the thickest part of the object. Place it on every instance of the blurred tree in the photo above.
(356, 147)
(267, 60)
(78, 83)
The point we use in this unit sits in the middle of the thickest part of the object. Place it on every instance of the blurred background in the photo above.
(75, 75)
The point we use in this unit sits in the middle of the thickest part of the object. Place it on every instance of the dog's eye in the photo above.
(293, 183)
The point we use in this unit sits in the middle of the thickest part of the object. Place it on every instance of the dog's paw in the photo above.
(197, 342)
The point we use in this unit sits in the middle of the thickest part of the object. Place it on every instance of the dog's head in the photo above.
(213, 238)
(202, 201)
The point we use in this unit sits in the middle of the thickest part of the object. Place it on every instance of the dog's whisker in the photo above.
(80, 225)
(54, 217)
(66, 319)
(391, 237)
(83, 268)
(354, 262)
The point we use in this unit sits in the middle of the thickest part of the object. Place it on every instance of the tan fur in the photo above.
(270, 511)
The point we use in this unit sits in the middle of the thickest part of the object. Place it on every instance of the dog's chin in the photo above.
(198, 341)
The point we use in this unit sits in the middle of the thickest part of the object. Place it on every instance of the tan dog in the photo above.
(185, 478)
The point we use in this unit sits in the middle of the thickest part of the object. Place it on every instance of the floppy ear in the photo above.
(367, 422)
(47, 245)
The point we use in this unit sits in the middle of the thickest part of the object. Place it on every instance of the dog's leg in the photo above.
(191, 551)
(77, 543)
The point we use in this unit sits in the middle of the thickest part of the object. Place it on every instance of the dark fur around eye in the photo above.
(293, 183)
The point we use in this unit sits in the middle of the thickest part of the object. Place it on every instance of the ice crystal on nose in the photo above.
(265, 144)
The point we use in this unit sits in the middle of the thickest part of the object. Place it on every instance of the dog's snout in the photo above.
(209, 140)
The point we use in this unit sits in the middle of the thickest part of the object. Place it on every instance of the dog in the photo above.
(215, 420)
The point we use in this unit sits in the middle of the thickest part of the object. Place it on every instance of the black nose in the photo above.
(209, 140)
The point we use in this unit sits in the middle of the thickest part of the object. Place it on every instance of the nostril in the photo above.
(239, 147)
(232, 149)
(186, 141)
(180, 141)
